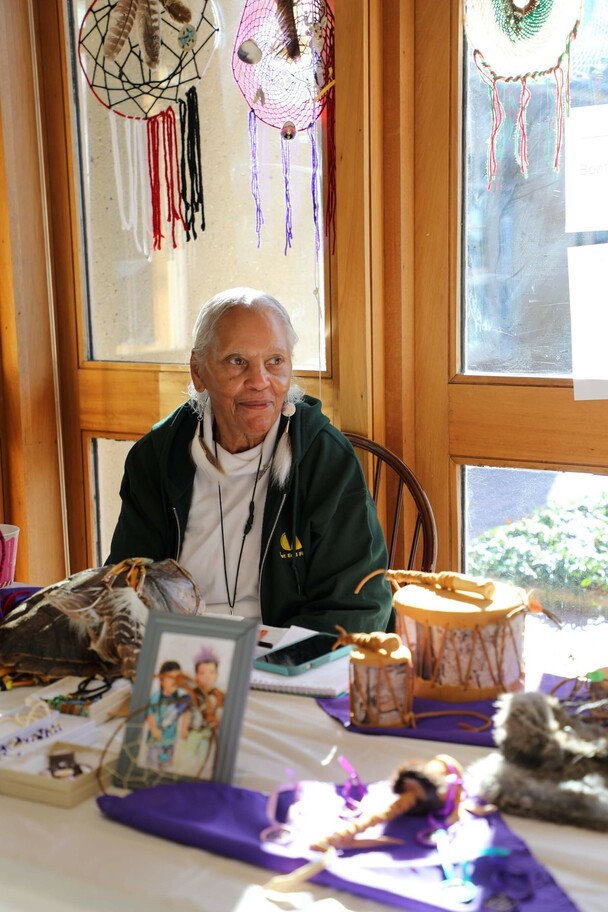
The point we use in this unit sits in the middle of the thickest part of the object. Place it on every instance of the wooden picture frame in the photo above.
(188, 700)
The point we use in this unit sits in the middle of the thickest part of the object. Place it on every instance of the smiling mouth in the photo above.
(254, 404)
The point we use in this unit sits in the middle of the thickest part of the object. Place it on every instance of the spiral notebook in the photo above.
(328, 680)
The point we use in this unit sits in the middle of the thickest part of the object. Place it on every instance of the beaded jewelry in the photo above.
(79, 701)
(12, 747)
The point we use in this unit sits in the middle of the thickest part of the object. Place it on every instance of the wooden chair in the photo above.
(423, 519)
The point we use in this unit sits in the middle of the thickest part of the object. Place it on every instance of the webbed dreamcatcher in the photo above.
(142, 60)
(283, 63)
(518, 41)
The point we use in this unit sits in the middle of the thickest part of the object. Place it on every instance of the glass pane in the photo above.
(142, 308)
(548, 533)
(515, 279)
(108, 460)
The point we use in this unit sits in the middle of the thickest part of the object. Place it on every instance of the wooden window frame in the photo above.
(89, 397)
(462, 419)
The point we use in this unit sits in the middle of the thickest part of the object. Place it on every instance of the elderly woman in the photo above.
(251, 488)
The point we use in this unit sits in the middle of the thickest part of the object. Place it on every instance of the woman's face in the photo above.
(247, 372)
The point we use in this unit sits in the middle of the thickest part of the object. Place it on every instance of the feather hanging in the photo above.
(283, 454)
(287, 22)
(177, 10)
(119, 29)
(149, 24)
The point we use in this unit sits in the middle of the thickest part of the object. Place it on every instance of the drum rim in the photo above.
(451, 608)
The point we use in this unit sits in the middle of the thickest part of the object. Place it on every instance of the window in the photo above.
(516, 317)
(126, 316)
(500, 440)
(140, 306)
(107, 461)
(111, 386)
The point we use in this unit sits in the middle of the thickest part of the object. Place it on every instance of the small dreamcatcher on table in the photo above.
(519, 41)
(283, 63)
(142, 60)
(131, 760)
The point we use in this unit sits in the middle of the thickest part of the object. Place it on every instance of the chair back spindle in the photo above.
(422, 552)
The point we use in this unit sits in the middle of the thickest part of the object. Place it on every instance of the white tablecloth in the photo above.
(60, 860)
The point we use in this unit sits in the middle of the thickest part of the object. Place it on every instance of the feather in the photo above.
(149, 29)
(78, 606)
(78, 631)
(93, 622)
(119, 28)
(77, 595)
(123, 618)
(287, 23)
(177, 10)
(282, 459)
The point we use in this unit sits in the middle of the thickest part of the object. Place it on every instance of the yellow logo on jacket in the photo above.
(289, 549)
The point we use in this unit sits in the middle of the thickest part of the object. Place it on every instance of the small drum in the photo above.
(381, 684)
(465, 636)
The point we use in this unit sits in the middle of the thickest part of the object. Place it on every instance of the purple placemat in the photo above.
(12, 596)
(438, 728)
(453, 728)
(228, 821)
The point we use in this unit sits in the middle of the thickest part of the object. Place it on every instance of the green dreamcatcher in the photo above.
(520, 41)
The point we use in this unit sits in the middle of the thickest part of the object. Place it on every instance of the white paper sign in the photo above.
(588, 279)
(586, 169)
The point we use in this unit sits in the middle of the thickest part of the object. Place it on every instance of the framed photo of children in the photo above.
(188, 700)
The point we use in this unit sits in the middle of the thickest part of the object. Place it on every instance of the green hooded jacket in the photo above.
(320, 536)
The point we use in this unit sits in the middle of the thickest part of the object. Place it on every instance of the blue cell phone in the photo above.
(299, 657)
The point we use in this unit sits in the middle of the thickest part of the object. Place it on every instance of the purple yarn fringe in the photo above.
(255, 177)
(313, 186)
(286, 160)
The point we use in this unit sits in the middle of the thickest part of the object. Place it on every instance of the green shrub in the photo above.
(561, 552)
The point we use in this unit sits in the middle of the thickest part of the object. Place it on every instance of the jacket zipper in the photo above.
(271, 533)
(179, 533)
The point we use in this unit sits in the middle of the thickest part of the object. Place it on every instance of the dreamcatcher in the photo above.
(518, 41)
(142, 60)
(283, 63)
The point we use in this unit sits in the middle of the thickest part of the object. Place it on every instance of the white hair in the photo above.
(203, 333)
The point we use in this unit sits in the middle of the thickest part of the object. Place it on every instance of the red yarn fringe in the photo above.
(162, 130)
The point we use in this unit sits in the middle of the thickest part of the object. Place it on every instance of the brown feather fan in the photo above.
(93, 622)
(120, 27)
(287, 22)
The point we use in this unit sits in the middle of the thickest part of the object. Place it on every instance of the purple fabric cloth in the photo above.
(227, 821)
(12, 596)
(438, 728)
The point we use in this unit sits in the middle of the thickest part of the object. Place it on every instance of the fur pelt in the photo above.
(551, 765)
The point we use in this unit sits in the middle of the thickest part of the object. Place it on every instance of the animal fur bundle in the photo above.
(551, 765)
(93, 622)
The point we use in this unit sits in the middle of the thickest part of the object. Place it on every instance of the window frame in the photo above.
(518, 421)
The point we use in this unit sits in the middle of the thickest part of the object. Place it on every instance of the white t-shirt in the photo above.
(203, 554)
